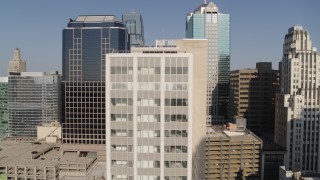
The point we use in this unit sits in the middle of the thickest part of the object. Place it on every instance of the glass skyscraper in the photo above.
(86, 40)
(34, 99)
(207, 23)
(134, 24)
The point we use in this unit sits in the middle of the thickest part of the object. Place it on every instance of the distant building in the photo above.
(156, 112)
(252, 96)
(297, 112)
(34, 99)
(232, 153)
(86, 40)
(134, 24)
(17, 65)
(4, 114)
(206, 22)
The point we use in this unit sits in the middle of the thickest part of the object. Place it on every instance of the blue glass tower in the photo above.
(86, 40)
(207, 23)
(134, 24)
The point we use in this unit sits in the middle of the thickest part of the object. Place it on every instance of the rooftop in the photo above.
(220, 131)
(21, 152)
(95, 18)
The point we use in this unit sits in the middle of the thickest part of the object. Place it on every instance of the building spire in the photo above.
(16, 55)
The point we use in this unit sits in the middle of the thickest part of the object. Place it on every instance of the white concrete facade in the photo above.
(297, 105)
(151, 115)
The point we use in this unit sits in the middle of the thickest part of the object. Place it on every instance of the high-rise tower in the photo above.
(16, 65)
(207, 23)
(86, 40)
(252, 96)
(298, 102)
(34, 99)
(134, 25)
(155, 112)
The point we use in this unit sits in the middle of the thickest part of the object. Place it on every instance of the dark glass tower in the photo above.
(86, 40)
(134, 24)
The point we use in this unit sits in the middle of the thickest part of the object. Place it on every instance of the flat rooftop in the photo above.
(219, 131)
(21, 152)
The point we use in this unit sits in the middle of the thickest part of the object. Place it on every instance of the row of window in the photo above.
(150, 164)
(148, 102)
(148, 133)
(149, 149)
(149, 118)
(149, 70)
(177, 86)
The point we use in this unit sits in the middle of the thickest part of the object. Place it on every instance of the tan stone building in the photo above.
(232, 154)
(17, 65)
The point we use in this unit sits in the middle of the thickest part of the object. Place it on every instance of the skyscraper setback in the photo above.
(134, 24)
(297, 112)
(86, 40)
(207, 23)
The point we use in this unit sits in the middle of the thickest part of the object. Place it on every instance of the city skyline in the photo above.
(36, 27)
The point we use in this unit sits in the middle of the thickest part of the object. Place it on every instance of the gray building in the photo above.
(134, 24)
(206, 22)
(86, 40)
(34, 99)
(17, 65)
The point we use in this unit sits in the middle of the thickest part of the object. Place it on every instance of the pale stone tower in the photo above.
(16, 65)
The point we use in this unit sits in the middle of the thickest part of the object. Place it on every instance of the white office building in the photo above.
(156, 112)
(298, 102)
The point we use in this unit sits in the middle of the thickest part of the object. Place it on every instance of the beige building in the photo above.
(156, 112)
(297, 114)
(17, 65)
(28, 159)
(232, 153)
(252, 96)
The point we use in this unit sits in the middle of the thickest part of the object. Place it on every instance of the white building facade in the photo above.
(150, 115)
(297, 104)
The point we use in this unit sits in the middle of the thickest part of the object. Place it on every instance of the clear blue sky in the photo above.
(257, 26)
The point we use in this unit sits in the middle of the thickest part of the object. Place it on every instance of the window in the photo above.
(148, 118)
(148, 133)
(176, 133)
(176, 102)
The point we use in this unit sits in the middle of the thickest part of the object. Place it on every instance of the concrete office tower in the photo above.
(207, 23)
(134, 24)
(86, 40)
(16, 65)
(34, 99)
(232, 153)
(252, 96)
(4, 115)
(155, 112)
(297, 104)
